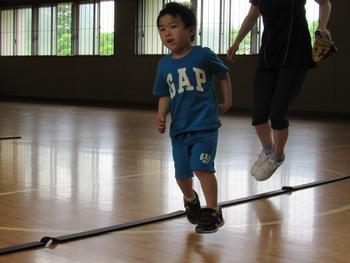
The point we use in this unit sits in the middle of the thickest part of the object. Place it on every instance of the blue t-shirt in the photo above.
(188, 82)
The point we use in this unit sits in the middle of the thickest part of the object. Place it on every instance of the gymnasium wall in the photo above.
(128, 79)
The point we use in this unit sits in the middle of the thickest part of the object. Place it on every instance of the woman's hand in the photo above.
(231, 53)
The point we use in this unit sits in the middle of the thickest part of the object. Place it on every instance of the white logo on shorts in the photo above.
(205, 158)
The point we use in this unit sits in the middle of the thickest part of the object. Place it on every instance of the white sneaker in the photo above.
(262, 158)
(267, 169)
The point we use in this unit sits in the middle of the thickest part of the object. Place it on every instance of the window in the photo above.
(87, 29)
(15, 32)
(218, 23)
(7, 32)
(95, 28)
(147, 32)
(312, 17)
(46, 33)
(106, 34)
(23, 31)
(64, 29)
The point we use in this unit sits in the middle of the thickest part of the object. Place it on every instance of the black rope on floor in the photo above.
(48, 241)
(10, 138)
(108, 229)
(283, 190)
(21, 247)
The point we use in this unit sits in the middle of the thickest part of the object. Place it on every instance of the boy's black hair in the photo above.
(175, 9)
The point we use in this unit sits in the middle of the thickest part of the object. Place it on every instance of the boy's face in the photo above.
(174, 34)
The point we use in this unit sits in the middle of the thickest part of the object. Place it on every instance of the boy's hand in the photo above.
(224, 107)
(161, 124)
(226, 89)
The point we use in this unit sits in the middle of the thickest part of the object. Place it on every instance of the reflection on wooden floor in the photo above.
(81, 168)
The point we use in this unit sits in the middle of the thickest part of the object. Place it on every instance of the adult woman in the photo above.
(285, 56)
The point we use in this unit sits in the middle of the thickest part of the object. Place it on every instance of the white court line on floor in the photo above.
(19, 191)
(37, 230)
(53, 186)
(336, 147)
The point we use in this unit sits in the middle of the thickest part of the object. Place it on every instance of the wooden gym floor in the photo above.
(82, 168)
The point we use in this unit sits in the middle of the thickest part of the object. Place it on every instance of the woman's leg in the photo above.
(287, 86)
(265, 81)
(264, 133)
(280, 138)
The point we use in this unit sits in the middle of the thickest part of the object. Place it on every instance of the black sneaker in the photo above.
(210, 221)
(193, 210)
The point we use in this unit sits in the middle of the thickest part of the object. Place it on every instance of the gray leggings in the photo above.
(273, 91)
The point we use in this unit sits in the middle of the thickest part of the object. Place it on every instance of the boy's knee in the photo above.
(183, 175)
(202, 173)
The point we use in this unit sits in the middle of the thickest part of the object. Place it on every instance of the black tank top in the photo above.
(286, 38)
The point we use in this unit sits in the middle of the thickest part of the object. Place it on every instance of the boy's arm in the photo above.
(163, 108)
(226, 90)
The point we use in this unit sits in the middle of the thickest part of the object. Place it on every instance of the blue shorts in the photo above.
(194, 151)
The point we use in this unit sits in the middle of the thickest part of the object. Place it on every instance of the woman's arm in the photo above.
(324, 14)
(247, 25)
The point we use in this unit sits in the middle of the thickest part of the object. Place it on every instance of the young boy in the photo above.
(184, 83)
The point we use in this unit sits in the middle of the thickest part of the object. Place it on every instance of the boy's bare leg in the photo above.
(209, 187)
(186, 187)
